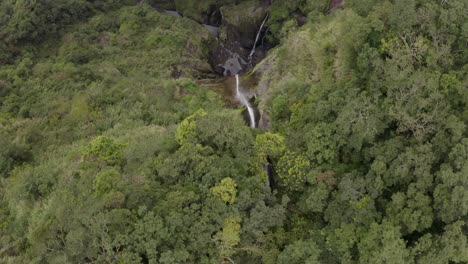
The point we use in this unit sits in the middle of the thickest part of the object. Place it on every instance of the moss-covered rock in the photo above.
(203, 11)
(164, 4)
(198, 10)
(245, 19)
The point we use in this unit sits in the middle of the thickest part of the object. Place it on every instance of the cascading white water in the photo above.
(258, 36)
(242, 98)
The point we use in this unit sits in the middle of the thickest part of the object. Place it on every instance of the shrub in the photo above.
(225, 190)
(105, 149)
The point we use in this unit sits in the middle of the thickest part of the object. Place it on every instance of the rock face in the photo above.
(239, 27)
(233, 24)
(164, 4)
(213, 30)
(202, 11)
(199, 11)
(242, 21)
(239, 13)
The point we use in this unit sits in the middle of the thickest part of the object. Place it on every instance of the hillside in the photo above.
(234, 131)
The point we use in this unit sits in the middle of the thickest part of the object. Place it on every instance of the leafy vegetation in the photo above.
(111, 153)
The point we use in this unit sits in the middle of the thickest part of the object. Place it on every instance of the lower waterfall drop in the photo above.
(242, 98)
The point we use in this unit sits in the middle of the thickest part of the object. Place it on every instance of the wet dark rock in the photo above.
(163, 4)
(233, 26)
(259, 55)
(202, 11)
(229, 58)
(215, 18)
(236, 38)
(196, 10)
(205, 11)
(243, 20)
(212, 29)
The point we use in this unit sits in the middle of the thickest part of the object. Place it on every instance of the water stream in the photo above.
(243, 99)
(233, 64)
(258, 36)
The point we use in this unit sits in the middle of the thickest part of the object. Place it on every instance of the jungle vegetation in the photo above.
(111, 151)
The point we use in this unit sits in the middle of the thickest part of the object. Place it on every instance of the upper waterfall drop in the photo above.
(242, 98)
(252, 52)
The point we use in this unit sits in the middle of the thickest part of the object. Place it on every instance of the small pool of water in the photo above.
(226, 87)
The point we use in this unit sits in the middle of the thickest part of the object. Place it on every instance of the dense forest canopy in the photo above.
(112, 150)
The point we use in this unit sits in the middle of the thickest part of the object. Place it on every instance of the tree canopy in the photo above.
(112, 151)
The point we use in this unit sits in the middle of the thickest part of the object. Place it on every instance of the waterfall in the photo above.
(258, 36)
(245, 102)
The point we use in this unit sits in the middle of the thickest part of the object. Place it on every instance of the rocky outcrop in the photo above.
(236, 38)
(233, 24)
(163, 4)
(199, 11)
(242, 21)
(202, 11)
(242, 14)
